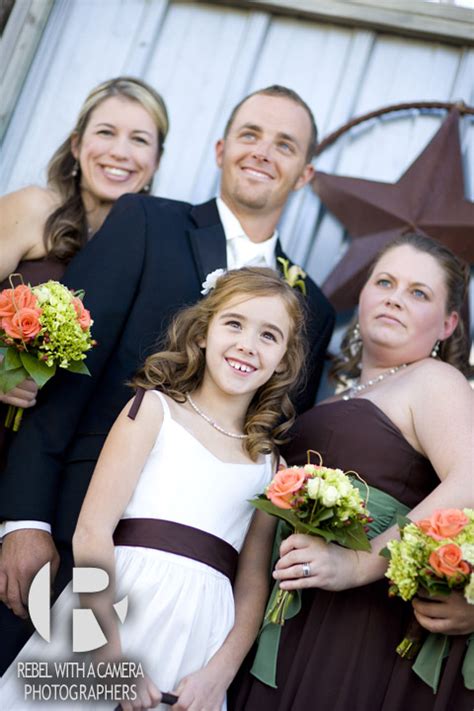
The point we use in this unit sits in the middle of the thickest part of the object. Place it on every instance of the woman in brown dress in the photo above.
(406, 427)
(114, 148)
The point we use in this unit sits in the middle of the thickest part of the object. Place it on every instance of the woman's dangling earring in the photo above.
(435, 351)
(146, 188)
(75, 169)
(355, 341)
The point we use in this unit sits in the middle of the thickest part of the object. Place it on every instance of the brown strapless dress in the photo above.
(338, 653)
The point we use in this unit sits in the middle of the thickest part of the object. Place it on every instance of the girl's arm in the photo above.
(24, 214)
(208, 686)
(113, 482)
(442, 414)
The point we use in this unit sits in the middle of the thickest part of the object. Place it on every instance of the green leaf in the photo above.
(11, 378)
(385, 553)
(353, 536)
(37, 369)
(78, 366)
(12, 359)
(402, 521)
(263, 504)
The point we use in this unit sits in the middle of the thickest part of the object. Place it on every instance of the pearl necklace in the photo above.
(212, 422)
(362, 386)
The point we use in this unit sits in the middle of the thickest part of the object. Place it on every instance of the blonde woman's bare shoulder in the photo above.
(24, 213)
(34, 200)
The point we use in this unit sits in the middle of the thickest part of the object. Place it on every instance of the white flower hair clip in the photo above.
(210, 281)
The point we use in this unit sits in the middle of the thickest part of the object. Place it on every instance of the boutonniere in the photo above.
(294, 275)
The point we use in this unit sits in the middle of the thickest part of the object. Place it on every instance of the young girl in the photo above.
(171, 490)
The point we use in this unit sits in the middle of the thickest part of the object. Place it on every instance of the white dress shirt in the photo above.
(241, 252)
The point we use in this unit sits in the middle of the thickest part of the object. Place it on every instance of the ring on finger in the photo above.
(306, 570)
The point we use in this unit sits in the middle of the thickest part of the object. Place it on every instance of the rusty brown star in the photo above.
(429, 198)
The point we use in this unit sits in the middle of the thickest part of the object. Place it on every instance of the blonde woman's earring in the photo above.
(75, 169)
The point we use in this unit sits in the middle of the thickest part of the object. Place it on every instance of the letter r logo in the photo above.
(87, 634)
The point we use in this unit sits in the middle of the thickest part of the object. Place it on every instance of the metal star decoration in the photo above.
(429, 197)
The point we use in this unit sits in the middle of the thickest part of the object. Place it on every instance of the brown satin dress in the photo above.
(338, 653)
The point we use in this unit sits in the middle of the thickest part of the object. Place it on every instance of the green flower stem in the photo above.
(409, 648)
(413, 640)
(277, 612)
(13, 418)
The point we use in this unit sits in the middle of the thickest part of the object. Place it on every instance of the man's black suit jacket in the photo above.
(149, 259)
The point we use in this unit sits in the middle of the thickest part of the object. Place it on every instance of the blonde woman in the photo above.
(114, 148)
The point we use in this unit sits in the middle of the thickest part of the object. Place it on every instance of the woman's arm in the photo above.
(113, 482)
(208, 686)
(24, 214)
(441, 408)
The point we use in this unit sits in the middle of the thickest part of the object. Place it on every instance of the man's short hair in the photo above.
(281, 92)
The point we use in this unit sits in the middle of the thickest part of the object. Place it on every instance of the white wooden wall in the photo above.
(203, 59)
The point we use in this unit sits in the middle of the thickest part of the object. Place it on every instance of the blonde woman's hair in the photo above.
(65, 231)
(453, 350)
(178, 368)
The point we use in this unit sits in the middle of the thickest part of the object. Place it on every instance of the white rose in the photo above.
(313, 487)
(468, 552)
(330, 495)
(469, 590)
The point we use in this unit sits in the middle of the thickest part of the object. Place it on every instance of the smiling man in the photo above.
(150, 257)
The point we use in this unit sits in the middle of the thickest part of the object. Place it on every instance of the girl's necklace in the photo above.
(212, 422)
(362, 386)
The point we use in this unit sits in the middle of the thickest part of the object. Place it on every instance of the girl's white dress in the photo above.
(179, 610)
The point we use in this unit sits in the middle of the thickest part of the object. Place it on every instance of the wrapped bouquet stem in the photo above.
(42, 328)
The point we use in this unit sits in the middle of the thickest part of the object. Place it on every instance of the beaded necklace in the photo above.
(355, 389)
(212, 422)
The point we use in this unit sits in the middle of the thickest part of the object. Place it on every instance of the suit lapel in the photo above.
(279, 253)
(207, 239)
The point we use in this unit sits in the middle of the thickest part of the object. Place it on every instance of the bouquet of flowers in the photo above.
(434, 554)
(41, 328)
(318, 501)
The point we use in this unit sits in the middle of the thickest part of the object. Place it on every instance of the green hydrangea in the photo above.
(61, 341)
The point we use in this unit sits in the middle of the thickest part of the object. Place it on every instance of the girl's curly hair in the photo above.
(178, 368)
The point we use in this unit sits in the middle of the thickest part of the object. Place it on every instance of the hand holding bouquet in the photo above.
(435, 555)
(41, 328)
(318, 501)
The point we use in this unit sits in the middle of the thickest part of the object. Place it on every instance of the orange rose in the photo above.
(12, 300)
(444, 524)
(283, 485)
(7, 309)
(447, 560)
(23, 298)
(83, 315)
(24, 325)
